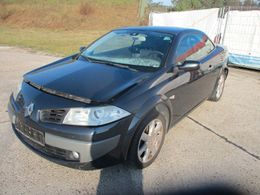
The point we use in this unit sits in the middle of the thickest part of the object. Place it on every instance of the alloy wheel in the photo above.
(150, 141)
(220, 87)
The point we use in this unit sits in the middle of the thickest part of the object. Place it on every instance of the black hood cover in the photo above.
(83, 79)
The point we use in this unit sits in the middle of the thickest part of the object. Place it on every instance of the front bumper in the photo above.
(97, 153)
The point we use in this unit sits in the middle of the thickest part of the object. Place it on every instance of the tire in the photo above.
(219, 88)
(140, 154)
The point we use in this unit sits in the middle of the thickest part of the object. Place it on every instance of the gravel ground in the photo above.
(217, 145)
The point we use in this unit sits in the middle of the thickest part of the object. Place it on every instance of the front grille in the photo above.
(30, 133)
(47, 150)
(36, 140)
(52, 116)
(50, 151)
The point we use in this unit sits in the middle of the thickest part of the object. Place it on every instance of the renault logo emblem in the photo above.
(28, 110)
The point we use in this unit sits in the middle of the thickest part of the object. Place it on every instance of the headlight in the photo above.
(94, 116)
(18, 89)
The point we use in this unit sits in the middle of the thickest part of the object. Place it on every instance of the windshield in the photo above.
(131, 48)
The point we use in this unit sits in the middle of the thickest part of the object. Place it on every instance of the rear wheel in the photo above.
(147, 142)
(219, 88)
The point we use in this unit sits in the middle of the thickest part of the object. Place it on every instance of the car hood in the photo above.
(83, 79)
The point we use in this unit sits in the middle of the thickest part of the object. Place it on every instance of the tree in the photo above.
(232, 2)
(188, 5)
(181, 5)
(249, 3)
(212, 3)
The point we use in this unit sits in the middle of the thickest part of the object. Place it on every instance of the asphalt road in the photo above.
(218, 144)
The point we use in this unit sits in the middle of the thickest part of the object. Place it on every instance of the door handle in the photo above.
(210, 67)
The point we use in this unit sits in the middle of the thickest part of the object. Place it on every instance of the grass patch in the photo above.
(69, 2)
(4, 12)
(85, 9)
(62, 26)
(57, 42)
(75, 15)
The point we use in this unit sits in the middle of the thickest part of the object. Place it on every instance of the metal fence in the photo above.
(238, 28)
(241, 33)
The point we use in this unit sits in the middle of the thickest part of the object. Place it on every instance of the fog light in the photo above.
(74, 155)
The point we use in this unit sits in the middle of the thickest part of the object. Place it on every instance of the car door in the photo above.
(188, 88)
(210, 60)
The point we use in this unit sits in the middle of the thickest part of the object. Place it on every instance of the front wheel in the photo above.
(147, 142)
(219, 88)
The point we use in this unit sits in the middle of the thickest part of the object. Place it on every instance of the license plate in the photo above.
(31, 133)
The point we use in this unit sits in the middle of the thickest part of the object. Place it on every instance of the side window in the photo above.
(194, 47)
(209, 46)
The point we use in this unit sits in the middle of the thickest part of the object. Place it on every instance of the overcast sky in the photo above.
(165, 2)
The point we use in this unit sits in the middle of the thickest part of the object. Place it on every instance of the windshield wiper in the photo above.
(87, 58)
(125, 66)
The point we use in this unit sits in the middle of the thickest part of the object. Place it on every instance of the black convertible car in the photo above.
(116, 99)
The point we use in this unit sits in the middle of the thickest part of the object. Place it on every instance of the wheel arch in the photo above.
(226, 71)
(155, 104)
(151, 106)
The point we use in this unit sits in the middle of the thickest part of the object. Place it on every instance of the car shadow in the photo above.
(120, 179)
(209, 189)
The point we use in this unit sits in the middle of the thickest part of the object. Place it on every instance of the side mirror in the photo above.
(189, 65)
(82, 48)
